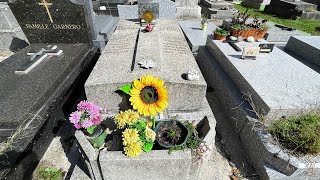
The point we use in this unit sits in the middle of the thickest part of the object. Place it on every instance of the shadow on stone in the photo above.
(17, 44)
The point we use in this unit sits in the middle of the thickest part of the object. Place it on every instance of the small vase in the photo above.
(204, 26)
(97, 138)
(185, 134)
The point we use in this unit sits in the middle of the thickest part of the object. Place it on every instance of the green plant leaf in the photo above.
(126, 88)
(90, 129)
(148, 146)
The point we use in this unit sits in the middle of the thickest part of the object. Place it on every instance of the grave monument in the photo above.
(188, 9)
(60, 51)
(257, 92)
(119, 64)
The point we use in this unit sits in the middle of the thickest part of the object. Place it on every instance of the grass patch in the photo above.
(50, 173)
(298, 133)
(308, 26)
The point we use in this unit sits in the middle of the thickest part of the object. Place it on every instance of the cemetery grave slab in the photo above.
(194, 35)
(22, 95)
(169, 51)
(269, 159)
(308, 47)
(274, 81)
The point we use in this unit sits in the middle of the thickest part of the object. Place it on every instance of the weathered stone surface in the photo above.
(186, 3)
(195, 36)
(172, 60)
(308, 47)
(273, 81)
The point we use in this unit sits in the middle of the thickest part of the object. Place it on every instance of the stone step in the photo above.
(311, 15)
(274, 81)
(307, 47)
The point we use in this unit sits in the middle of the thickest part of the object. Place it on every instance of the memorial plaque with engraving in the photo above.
(51, 21)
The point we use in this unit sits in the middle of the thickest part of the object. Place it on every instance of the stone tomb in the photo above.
(264, 79)
(307, 47)
(165, 46)
(273, 81)
(28, 100)
(117, 66)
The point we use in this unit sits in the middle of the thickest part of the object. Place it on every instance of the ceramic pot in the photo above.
(219, 37)
(185, 133)
(97, 138)
(256, 33)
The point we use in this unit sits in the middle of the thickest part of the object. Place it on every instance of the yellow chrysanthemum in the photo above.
(149, 123)
(148, 95)
(130, 136)
(121, 119)
(133, 116)
(133, 149)
(150, 134)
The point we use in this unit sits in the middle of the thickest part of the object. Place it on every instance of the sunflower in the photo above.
(148, 95)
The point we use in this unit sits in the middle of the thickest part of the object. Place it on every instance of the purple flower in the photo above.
(84, 105)
(75, 117)
(97, 120)
(77, 126)
(86, 123)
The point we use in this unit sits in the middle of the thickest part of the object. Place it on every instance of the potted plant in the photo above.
(240, 27)
(88, 119)
(220, 34)
(170, 133)
(204, 22)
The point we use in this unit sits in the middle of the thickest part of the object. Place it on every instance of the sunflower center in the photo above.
(149, 94)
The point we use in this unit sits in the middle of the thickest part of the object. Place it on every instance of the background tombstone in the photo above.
(188, 9)
(9, 30)
(145, 5)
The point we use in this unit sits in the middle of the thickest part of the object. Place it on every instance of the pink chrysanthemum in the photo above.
(86, 123)
(84, 105)
(77, 126)
(75, 117)
(97, 120)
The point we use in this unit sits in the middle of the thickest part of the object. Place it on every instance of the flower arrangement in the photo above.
(239, 26)
(87, 116)
(148, 96)
(137, 135)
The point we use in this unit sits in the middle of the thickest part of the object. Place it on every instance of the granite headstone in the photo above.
(51, 21)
